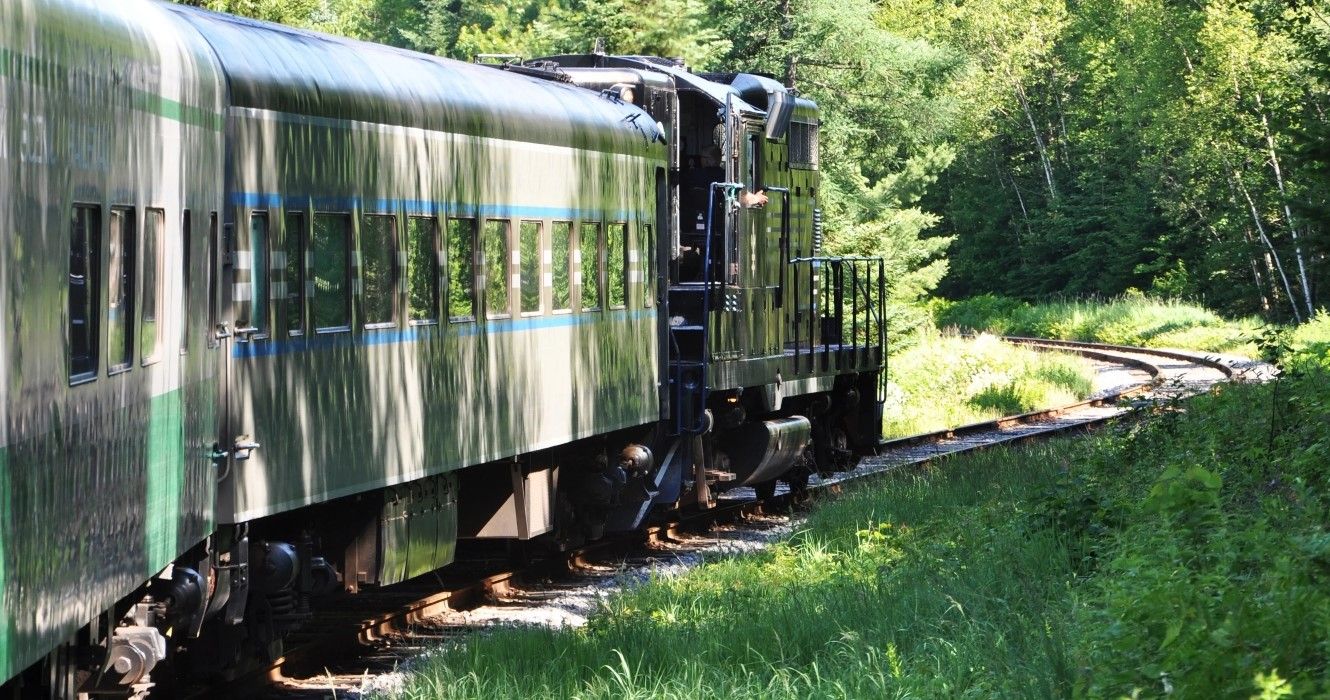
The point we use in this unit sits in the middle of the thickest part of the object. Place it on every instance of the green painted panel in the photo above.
(5, 632)
(166, 465)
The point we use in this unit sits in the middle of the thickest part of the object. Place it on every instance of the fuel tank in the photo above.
(764, 450)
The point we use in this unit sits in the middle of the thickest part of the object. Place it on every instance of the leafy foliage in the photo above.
(1021, 147)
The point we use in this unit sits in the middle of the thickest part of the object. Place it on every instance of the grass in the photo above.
(1128, 320)
(943, 380)
(1188, 554)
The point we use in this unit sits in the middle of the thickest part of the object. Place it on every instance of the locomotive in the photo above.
(284, 316)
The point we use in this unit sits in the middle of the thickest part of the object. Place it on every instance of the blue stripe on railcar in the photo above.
(396, 336)
(271, 200)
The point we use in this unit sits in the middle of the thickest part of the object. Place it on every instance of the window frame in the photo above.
(473, 227)
(128, 213)
(92, 285)
(213, 261)
(540, 254)
(260, 314)
(568, 267)
(598, 267)
(159, 288)
(300, 293)
(623, 271)
(186, 276)
(347, 218)
(507, 265)
(393, 273)
(436, 280)
(647, 245)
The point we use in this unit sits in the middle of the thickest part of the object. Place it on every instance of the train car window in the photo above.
(331, 253)
(497, 256)
(461, 269)
(562, 262)
(616, 268)
(754, 149)
(214, 282)
(530, 264)
(589, 246)
(84, 285)
(378, 258)
(120, 291)
(648, 246)
(186, 250)
(293, 277)
(422, 270)
(254, 314)
(154, 228)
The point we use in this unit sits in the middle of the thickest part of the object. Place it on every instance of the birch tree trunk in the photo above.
(1038, 142)
(1303, 279)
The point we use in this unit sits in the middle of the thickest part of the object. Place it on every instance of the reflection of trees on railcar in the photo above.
(332, 269)
(530, 252)
(460, 252)
(422, 269)
(378, 258)
(561, 260)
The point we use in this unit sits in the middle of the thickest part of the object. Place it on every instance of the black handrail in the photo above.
(863, 278)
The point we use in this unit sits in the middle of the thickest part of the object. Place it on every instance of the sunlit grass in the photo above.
(1183, 555)
(878, 596)
(1128, 320)
(943, 381)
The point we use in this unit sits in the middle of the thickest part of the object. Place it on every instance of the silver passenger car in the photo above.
(110, 176)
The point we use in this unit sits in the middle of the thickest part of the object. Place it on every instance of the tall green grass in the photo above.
(879, 596)
(1128, 320)
(944, 380)
(1187, 555)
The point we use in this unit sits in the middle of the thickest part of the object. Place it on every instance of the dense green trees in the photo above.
(1185, 140)
(1026, 147)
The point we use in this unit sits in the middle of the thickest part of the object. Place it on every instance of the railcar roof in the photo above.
(279, 68)
(146, 50)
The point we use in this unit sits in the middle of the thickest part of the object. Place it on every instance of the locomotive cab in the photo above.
(771, 344)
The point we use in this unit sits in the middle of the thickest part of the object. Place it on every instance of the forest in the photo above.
(1025, 148)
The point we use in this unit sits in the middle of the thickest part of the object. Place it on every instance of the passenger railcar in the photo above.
(287, 315)
(110, 161)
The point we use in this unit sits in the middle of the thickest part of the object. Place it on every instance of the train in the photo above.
(286, 316)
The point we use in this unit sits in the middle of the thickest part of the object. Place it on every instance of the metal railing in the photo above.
(838, 315)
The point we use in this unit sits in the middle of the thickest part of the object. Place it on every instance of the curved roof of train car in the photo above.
(154, 61)
(289, 70)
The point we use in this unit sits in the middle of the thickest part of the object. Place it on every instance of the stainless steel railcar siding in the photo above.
(105, 480)
(324, 125)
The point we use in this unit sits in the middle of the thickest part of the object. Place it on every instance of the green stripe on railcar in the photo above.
(165, 479)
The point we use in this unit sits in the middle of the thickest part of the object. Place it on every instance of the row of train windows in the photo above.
(310, 272)
(135, 264)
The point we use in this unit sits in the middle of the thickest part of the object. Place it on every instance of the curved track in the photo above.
(374, 634)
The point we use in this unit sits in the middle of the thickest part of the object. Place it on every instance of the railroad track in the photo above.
(373, 634)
